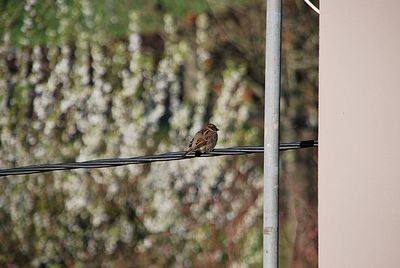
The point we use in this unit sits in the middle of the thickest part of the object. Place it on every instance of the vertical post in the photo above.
(271, 133)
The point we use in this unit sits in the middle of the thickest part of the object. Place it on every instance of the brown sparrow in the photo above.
(204, 140)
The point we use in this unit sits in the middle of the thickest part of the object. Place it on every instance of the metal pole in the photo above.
(271, 133)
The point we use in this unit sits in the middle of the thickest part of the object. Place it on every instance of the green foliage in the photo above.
(53, 20)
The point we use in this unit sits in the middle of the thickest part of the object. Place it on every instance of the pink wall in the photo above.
(359, 136)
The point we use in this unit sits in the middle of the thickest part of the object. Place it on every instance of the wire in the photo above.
(312, 6)
(171, 156)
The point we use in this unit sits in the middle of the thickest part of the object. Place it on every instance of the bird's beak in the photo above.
(217, 128)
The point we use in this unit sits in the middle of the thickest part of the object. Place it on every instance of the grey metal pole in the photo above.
(271, 133)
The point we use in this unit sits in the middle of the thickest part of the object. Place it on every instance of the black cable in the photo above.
(114, 162)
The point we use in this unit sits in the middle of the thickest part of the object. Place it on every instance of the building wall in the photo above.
(359, 134)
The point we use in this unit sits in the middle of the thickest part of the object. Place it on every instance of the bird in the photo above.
(204, 140)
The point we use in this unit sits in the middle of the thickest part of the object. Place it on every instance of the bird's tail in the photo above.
(188, 151)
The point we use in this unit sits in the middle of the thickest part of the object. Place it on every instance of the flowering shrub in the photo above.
(88, 95)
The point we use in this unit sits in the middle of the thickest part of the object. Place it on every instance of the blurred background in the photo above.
(81, 80)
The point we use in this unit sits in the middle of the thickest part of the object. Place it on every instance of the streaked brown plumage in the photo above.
(204, 140)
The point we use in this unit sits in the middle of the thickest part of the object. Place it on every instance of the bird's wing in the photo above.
(197, 143)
